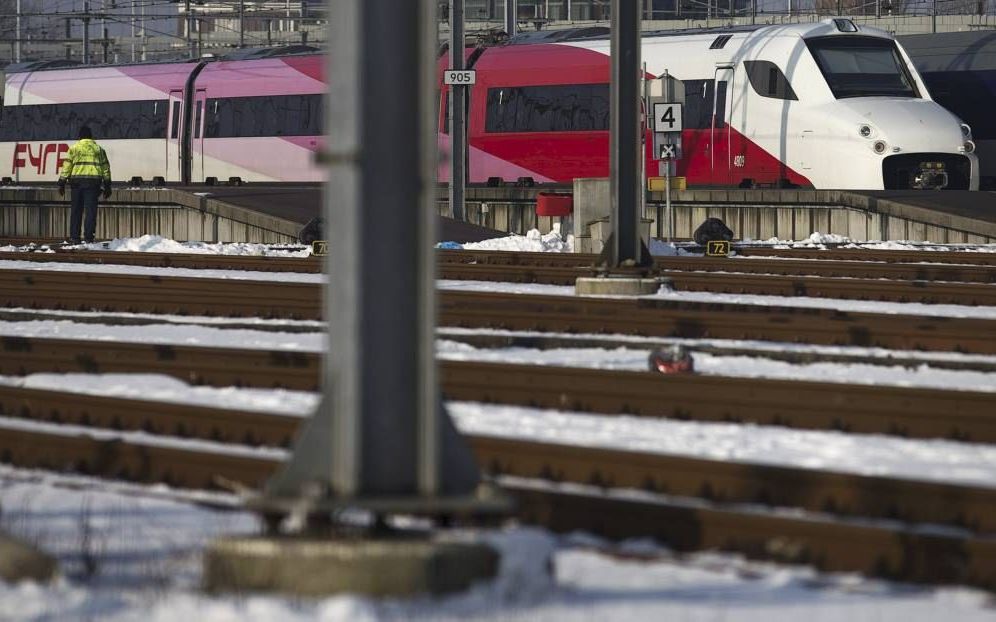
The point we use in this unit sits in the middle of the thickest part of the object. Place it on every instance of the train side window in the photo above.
(278, 115)
(720, 121)
(175, 123)
(768, 80)
(109, 120)
(698, 104)
(549, 108)
(198, 112)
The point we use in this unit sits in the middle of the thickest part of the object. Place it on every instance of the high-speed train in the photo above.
(824, 105)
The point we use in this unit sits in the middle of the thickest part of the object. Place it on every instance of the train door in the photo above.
(197, 136)
(721, 162)
(174, 137)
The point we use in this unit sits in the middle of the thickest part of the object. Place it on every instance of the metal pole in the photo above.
(933, 15)
(380, 431)
(753, 11)
(624, 143)
(17, 29)
(189, 29)
(133, 31)
(511, 17)
(878, 8)
(569, 17)
(458, 129)
(86, 32)
(667, 203)
(242, 23)
(142, 30)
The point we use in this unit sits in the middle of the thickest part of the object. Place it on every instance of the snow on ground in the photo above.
(632, 359)
(240, 275)
(172, 334)
(537, 242)
(143, 552)
(161, 388)
(123, 317)
(532, 242)
(874, 455)
(934, 460)
(618, 358)
(638, 341)
(159, 244)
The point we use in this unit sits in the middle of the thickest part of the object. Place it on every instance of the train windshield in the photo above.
(862, 67)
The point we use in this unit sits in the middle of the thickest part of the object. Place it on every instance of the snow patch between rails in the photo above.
(162, 388)
(159, 244)
(532, 242)
(871, 455)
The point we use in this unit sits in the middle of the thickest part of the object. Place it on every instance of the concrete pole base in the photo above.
(616, 286)
(20, 561)
(314, 566)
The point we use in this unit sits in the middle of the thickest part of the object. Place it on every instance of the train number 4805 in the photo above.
(739, 161)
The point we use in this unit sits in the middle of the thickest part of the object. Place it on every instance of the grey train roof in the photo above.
(952, 51)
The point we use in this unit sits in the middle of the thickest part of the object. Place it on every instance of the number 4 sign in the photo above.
(667, 117)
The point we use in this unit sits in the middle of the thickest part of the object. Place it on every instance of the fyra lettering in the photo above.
(25, 156)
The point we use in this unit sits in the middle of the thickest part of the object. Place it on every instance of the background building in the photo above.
(136, 30)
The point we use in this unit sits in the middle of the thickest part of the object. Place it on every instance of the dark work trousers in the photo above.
(84, 195)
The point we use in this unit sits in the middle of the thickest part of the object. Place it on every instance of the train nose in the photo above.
(907, 126)
(922, 145)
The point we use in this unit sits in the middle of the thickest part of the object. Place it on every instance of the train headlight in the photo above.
(865, 131)
(966, 131)
(968, 147)
(880, 147)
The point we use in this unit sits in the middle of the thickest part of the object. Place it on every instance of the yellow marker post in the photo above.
(718, 248)
(319, 248)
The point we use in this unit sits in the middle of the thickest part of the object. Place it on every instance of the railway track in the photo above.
(643, 316)
(912, 412)
(620, 497)
(964, 285)
(909, 266)
(876, 525)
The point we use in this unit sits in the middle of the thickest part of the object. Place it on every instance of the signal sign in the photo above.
(667, 117)
(668, 152)
(319, 248)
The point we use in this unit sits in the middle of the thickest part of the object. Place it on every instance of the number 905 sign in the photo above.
(459, 76)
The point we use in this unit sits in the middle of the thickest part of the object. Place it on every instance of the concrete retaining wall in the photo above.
(40, 212)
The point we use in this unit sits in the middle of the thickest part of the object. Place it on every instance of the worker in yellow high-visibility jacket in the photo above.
(86, 169)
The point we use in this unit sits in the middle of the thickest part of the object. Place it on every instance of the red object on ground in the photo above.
(550, 204)
(673, 360)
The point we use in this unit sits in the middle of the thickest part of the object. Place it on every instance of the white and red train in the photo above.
(824, 105)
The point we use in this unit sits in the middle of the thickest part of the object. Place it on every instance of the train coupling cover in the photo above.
(930, 176)
(676, 359)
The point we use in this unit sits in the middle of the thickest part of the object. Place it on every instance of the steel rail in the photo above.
(715, 277)
(536, 341)
(914, 271)
(830, 546)
(655, 317)
(733, 282)
(882, 549)
(869, 409)
(844, 494)
(641, 316)
(868, 254)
